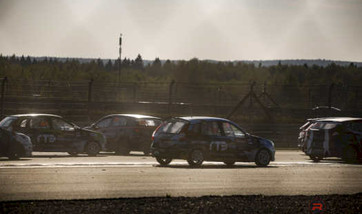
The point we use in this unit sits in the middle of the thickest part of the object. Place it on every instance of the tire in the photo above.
(163, 161)
(316, 158)
(350, 155)
(92, 148)
(13, 156)
(73, 154)
(262, 158)
(229, 163)
(196, 158)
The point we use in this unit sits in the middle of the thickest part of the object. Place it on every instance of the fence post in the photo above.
(170, 96)
(5, 80)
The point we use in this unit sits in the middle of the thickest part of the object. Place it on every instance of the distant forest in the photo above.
(191, 71)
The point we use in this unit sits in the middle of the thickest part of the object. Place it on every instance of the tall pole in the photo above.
(120, 60)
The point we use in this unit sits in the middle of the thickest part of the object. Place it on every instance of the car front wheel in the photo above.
(262, 158)
(163, 161)
(196, 158)
(92, 148)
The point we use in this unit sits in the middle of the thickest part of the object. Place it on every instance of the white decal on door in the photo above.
(46, 138)
(220, 146)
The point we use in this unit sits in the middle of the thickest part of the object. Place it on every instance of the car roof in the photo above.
(192, 118)
(35, 115)
(137, 116)
(338, 119)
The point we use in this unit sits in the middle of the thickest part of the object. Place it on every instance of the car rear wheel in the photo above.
(229, 163)
(350, 154)
(92, 148)
(262, 158)
(163, 161)
(14, 156)
(316, 158)
(196, 158)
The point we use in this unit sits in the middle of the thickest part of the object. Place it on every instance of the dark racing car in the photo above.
(14, 145)
(335, 137)
(198, 139)
(127, 132)
(51, 133)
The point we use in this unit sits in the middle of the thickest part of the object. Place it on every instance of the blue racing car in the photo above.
(199, 139)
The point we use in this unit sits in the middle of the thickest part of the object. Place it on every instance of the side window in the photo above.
(61, 125)
(228, 130)
(210, 128)
(39, 123)
(104, 123)
(23, 123)
(194, 129)
(119, 121)
(232, 131)
(237, 132)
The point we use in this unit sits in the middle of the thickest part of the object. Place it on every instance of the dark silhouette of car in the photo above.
(198, 139)
(127, 132)
(335, 137)
(51, 133)
(303, 130)
(14, 145)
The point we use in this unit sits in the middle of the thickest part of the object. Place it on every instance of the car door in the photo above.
(65, 134)
(218, 143)
(238, 142)
(103, 126)
(118, 128)
(41, 134)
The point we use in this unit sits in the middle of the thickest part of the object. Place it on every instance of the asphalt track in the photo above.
(48, 176)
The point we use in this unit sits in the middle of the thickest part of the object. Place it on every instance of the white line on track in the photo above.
(151, 163)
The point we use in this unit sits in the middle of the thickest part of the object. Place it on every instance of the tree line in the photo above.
(192, 71)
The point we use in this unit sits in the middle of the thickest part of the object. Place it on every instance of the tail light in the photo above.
(154, 132)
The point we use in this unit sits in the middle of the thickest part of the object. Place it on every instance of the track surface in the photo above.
(59, 176)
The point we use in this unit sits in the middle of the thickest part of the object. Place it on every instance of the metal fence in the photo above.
(274, 111)
(176, 93)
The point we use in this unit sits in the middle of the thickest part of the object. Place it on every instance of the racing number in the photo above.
(46, 138)
(218, 146)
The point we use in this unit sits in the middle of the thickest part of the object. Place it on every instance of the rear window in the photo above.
(7, 122)
(323, 125)
(149, 122)
(173, 127)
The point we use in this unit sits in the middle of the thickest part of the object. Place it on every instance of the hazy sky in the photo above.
(183, 29)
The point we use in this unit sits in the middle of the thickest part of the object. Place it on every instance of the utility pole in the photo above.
(120, 60)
